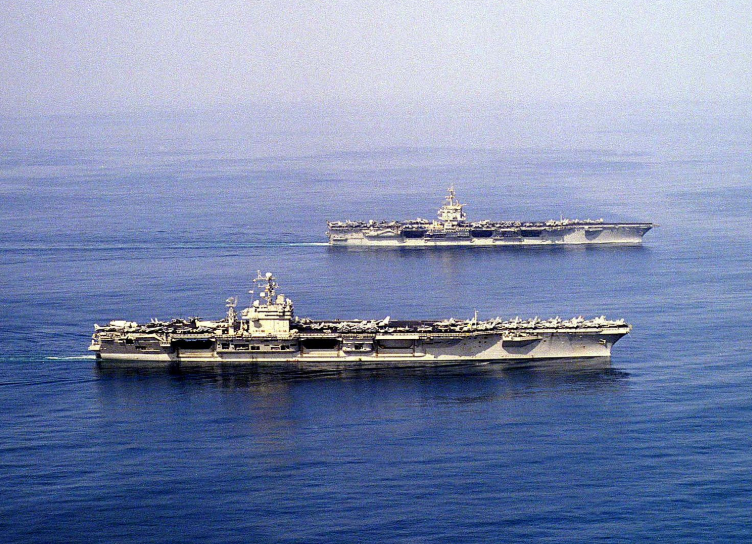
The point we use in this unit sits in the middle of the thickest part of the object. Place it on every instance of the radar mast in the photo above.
(268, 283)
(231, 303)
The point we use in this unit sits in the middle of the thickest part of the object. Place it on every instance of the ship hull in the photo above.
(372, 352)
(267, 333)
(625, 234)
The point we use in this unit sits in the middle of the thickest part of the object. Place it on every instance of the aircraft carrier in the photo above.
(268, 333)
(452, 229)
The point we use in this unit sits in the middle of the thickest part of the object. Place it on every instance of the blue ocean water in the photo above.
(134, 217)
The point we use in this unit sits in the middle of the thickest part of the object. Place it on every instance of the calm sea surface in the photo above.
(134, 217)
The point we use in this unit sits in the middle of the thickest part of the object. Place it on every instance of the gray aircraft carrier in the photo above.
(268, 333)
(452, 229)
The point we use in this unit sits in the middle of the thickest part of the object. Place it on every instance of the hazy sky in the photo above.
(98, 55)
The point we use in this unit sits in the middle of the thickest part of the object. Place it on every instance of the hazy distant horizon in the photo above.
(294, 130)
(740, 104)
(68, 57)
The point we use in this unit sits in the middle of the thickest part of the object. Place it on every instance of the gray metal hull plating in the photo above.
(628, 234)
(393, 352)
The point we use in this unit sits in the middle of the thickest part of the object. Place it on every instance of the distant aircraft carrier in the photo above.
(267, 333)
(452, 229)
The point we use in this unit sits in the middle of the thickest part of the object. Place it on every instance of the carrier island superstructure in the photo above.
(268, 333)
(451, 228)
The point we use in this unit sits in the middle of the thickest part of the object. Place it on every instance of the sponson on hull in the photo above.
(267, 333)
(452, 229)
